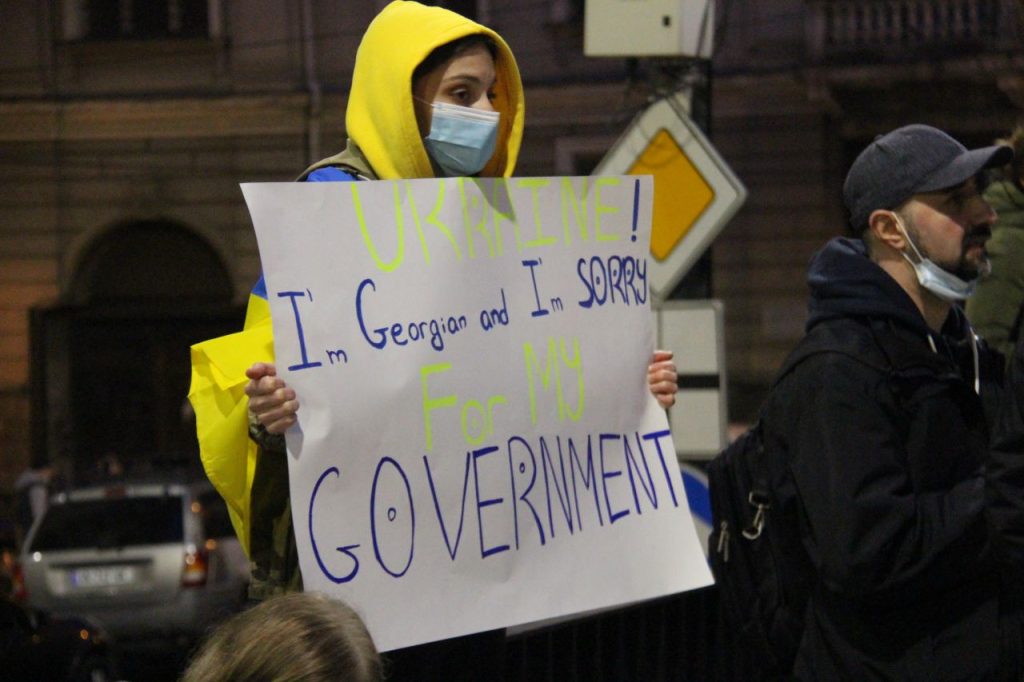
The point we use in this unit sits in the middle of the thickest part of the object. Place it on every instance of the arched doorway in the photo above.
(112, 361)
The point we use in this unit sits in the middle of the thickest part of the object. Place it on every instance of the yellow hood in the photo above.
(397, 40)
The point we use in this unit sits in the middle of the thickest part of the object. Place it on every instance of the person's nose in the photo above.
(983, 213)
(484, 103)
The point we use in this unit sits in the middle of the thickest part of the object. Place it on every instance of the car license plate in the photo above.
(102, 576)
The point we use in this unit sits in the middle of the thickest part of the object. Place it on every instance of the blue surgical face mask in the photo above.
(935, 278)
(461, 139)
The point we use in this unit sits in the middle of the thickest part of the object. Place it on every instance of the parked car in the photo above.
(35, 647)
(153, 563)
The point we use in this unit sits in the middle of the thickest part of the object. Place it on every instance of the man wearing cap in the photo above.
(884, 433)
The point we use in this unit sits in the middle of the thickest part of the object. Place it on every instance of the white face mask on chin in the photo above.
(935, 278)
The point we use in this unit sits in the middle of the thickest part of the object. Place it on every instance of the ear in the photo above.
(883, 228)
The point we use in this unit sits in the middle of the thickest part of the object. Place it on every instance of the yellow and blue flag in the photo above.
(218, 397)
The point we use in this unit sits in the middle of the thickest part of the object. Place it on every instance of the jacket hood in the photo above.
(845, 282)
(397, 40)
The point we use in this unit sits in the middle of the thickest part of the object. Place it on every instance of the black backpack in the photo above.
(760, 567)
(758, 587)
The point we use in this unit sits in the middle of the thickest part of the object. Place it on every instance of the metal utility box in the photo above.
(648, 28)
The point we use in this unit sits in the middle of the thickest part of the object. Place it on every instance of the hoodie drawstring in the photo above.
(977, 362)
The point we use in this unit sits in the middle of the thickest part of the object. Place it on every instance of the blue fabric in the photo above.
(698, 497)
(260, 289)
(330, 174)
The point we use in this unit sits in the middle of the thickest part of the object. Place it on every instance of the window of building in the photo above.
(101, 20)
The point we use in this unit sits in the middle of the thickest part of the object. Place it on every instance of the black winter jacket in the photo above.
(1005, 469)
(883, 479)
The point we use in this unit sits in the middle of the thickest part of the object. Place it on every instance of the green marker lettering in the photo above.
(419, 225)
(576, 363)
(431, 404)
(577, 205)
(600, 209)
(400, 231)
(483, 419)
(535, 184)
(550, 373)
(498, 211)
(432, 219)
(472, 225)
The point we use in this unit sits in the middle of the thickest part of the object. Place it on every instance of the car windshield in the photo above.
(109, 523)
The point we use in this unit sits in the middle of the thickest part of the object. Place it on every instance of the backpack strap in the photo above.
(866, 349)
(820, 339)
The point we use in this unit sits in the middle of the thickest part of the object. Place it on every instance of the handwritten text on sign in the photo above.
(477, 446)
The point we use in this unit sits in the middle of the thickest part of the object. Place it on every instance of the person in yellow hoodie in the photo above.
(433, 95)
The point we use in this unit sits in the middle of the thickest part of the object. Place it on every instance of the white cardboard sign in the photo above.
(477, 446)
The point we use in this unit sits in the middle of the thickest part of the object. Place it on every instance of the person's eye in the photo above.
(982, 180)
(957, 200)
(460, 95)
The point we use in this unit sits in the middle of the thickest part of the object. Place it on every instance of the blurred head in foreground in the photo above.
(302, 636)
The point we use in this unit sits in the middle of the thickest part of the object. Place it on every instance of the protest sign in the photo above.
(477, 446)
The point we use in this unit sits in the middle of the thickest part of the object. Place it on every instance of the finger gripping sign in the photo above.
(476, 445)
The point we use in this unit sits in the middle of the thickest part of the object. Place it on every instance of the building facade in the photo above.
(127, 126)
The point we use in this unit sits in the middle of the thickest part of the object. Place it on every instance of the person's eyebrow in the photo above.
(466, 77)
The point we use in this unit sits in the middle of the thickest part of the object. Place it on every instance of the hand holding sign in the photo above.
(663, 378)
(273, 403)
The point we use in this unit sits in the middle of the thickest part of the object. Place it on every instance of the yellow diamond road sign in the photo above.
(695, 192)
(683, 195)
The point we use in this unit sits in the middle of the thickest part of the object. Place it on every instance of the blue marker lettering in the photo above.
(609, 473)
(480, 504)
(345, 549)
(562, 490)
(392, 515)
(648, 483)
(522, 498)
(656, 436)
(305, 364)
(589, 477)
(452, 550)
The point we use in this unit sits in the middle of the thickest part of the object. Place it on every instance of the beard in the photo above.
(980, 266)
(966, 267)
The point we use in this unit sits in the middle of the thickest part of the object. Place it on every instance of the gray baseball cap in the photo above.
(908, 161)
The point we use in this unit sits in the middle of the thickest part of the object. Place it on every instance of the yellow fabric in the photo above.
(380, 117)
(218, 397)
